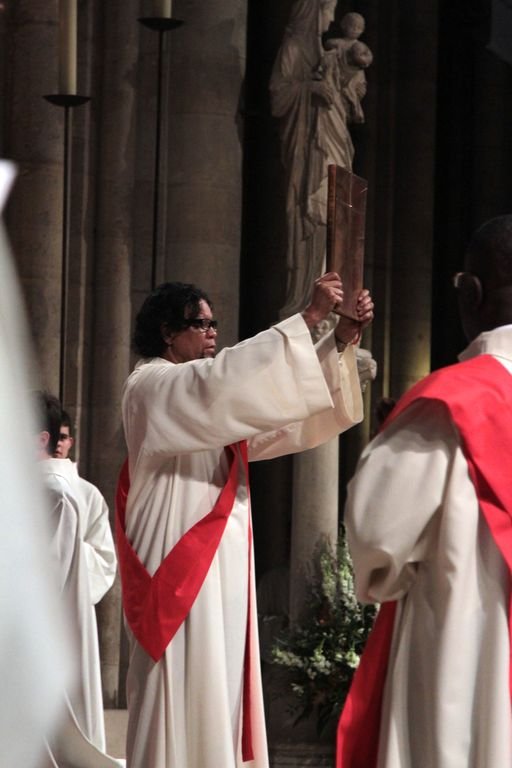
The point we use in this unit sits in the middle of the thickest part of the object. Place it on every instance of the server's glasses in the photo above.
(202, 324)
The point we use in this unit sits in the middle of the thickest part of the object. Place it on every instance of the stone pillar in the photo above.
(204, 184)
(34, 140)
(314, 517)
(111, 288)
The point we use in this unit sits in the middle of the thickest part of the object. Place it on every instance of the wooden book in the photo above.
(346, 218)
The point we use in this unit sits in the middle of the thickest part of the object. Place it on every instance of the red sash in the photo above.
(156, 606)
(478, 396)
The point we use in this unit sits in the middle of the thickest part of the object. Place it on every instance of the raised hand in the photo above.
(327, 295)
(349, 330)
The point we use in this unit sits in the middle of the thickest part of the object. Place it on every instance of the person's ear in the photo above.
(44, 439)
(167, 335)
(71, 442)
(469, 289)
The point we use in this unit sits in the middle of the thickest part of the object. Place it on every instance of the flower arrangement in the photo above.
(323, 651)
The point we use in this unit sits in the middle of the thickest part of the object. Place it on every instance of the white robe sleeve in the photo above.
(267, 382)
(342, 378)
(63, 519)
(393, 499)
(99, 546)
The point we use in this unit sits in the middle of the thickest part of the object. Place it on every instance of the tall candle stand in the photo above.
(68, 102)
(160, 24)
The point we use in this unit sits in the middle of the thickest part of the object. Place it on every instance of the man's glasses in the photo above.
(459, 277)
(202, 324)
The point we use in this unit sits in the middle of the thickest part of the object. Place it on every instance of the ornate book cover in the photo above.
(346, 218)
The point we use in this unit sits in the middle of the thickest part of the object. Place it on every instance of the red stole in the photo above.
(478, 397)
(156, 606)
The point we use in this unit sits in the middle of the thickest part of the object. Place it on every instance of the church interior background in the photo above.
(435, 148)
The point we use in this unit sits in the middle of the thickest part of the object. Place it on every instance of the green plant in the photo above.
(323, 651)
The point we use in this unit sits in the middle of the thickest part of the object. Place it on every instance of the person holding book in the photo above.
(192, 419)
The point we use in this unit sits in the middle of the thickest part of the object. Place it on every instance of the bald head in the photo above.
(489, 254)
(485, 288)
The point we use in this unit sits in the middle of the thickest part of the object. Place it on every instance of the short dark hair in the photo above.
(165, 307)
(67, 422)
(49, 412)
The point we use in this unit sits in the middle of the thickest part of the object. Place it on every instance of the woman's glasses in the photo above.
(202, 324)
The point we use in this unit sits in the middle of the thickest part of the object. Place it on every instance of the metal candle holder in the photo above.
(68, 102)
(160, 25)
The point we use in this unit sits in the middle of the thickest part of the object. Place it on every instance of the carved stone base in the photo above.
(301, 756)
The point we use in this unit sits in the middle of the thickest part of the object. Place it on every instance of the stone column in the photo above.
(204, 183)
(34, 139)
(314, 517)
(110, 292)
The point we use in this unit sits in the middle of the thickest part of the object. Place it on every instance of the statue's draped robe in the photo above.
(290, 89)
(331, 142)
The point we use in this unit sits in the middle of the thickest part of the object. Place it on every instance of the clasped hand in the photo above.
(328, 297)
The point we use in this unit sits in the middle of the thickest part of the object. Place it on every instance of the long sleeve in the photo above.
(99, 546)
(267, 382)
(342, 378)
(393, 499)
(63, 519)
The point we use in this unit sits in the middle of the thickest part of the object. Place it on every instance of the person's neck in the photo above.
(169, 356)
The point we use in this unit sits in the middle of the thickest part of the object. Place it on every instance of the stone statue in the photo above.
(315, 93)
(352, 26)
(353, 58)
(298, 89)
